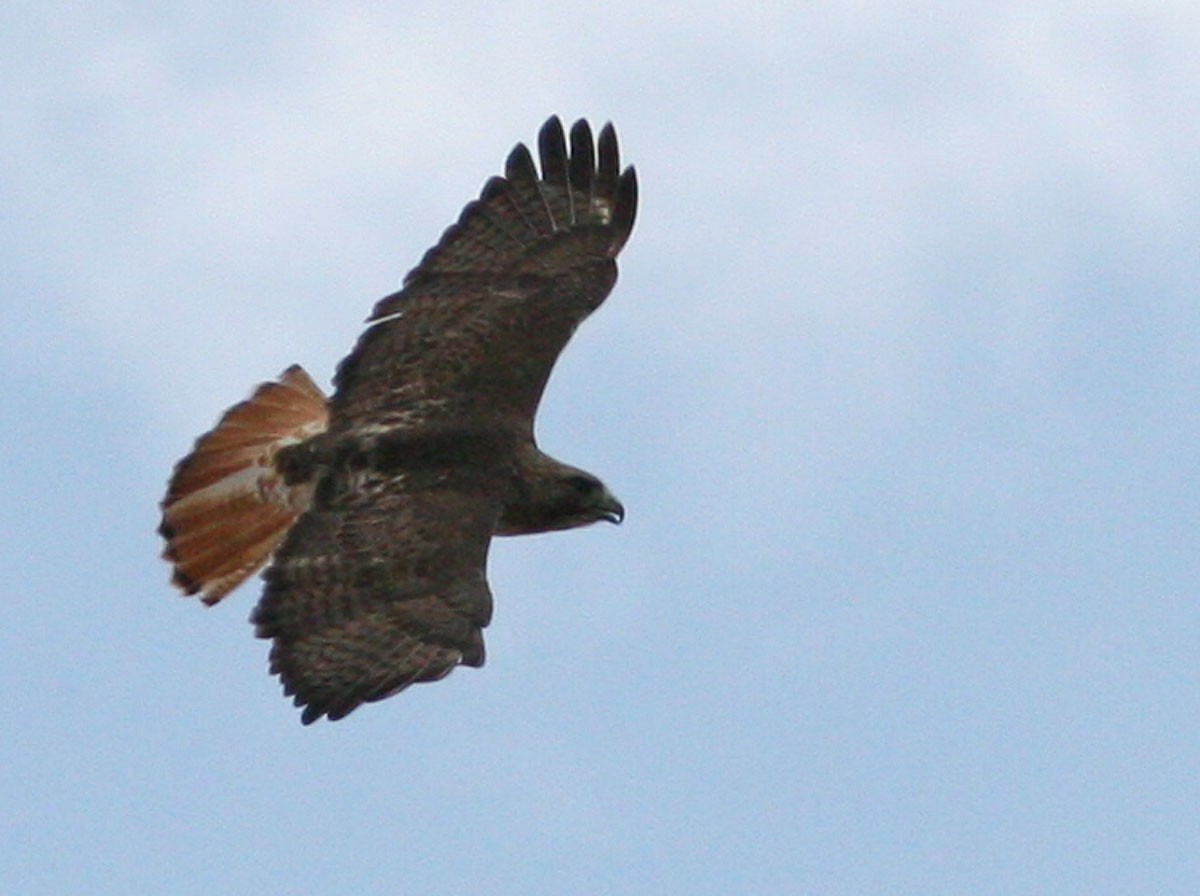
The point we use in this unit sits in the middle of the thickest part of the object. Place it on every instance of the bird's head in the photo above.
(585, 499)
(556, 496)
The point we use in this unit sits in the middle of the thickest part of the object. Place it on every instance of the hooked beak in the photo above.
(612, 510)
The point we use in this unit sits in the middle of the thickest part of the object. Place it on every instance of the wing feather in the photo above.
(555, 185)
(608, 165)
(582, 163)
(482, 319)
(525, 192)
(380, 585)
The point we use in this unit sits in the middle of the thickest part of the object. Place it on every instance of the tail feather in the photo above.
(226, 507)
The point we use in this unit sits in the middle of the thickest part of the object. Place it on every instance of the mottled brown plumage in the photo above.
(428, 449)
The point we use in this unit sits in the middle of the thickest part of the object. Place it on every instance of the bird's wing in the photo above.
(381, 584)
(481, 320)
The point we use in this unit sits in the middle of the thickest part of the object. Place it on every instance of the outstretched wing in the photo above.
(380, 585)
(482, 319)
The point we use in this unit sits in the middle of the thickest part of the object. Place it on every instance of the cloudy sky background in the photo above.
(899, 386)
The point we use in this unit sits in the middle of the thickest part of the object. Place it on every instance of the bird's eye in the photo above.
(584, 485)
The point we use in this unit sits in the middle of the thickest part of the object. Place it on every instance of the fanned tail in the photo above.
(226, 507)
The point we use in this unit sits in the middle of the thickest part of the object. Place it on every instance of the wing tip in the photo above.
(334, 688)
(519, 166)
(625, 209)
(552, 151)
(582, 161)
(580, 187)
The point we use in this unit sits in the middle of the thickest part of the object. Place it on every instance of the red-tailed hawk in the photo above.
(376, 506)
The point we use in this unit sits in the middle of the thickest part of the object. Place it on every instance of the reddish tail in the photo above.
(227, 508)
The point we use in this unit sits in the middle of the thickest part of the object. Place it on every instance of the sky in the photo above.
(899, 387)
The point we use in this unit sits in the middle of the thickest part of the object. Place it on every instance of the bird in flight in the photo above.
(375, 507)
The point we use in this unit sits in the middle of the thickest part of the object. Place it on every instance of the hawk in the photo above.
(375, 507)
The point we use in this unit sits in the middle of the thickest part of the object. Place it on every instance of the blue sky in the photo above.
(899, 387)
